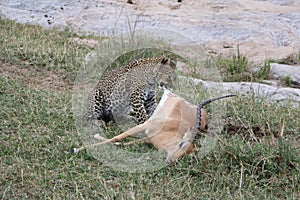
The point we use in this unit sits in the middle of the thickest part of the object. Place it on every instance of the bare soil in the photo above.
(36, 77)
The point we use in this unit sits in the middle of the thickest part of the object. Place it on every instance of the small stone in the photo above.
(86, 6)
(73, 151)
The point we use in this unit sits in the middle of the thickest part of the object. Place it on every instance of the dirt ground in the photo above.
(36, 77)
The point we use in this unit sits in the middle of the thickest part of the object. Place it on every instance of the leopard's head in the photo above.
(166, 73)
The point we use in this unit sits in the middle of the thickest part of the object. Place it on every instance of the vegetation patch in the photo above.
(37, 132)
(237, 68)
(34, 46)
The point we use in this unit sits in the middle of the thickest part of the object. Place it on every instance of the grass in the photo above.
(234, 68)
(286, 80)
(256, 157)
(237, 68)
(32, 45)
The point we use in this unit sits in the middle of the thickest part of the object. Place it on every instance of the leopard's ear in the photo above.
(165, 60)
(168, 61)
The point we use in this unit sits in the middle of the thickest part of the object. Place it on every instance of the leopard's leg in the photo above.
(95, 106)
(150, 102)
(137, 100)
(96, 115)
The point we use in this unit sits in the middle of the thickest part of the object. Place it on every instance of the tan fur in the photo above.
(172, 123)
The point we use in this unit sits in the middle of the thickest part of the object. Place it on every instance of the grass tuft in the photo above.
(234, 68)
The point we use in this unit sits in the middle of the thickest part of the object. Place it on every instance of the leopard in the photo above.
(130, 91)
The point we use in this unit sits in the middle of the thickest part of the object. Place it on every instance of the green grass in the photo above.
(37, 131)
(32, 45)
(234, 68)
(237, 68)
(286, 80)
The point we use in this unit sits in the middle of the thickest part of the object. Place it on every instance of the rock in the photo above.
(275, 83)
(262, 28)
(269, 92)
(279, 71)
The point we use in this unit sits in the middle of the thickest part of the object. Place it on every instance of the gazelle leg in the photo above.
(117, 138)
(138, 141)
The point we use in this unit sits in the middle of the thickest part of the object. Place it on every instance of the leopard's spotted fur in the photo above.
(130, 91)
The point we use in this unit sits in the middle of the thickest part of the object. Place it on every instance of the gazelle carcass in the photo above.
(172, 127)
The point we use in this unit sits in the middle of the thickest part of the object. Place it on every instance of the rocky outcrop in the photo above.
(280, 71)
(262, 28)
(269, 92)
